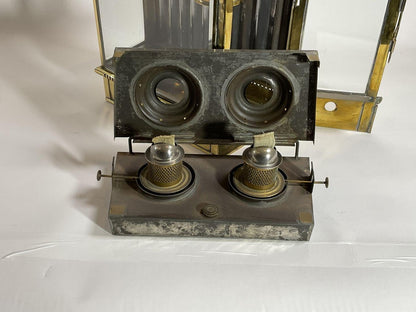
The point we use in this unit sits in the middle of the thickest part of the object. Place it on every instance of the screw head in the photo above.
(99, 174)
(210, 211)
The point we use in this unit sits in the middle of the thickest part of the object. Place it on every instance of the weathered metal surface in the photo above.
(210, 209)
(215, 109)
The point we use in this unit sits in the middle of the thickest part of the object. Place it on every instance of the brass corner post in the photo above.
(297, 24)
(108, 76)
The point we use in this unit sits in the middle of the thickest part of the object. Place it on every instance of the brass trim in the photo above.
(354, 111)
(99, 30)
(223, 23)
(297, 24)
(228, 26)
(388, 35)
(102, 71)
(108, 78)
(217, 149)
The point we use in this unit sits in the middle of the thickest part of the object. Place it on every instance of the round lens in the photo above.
(170, 91)
(258, 92)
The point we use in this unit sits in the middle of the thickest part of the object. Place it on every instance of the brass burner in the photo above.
(259, 177)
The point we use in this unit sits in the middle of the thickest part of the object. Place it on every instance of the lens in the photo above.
(167, 95)
(170, 91)
(258, 92)
(258, 96)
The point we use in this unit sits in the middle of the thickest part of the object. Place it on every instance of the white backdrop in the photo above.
(56, 253)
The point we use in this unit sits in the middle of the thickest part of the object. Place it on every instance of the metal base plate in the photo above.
(210, 208)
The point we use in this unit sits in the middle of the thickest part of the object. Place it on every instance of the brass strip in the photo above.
(378, 70)
(346, 115)
(217, 149)
(102, 71)
(223, 23)
(297, 24)
(228, 25)
(107, 88)
(367, 117)
(357, 111)
(218, 27)
(99, 30)
(385, 44)
(108, 78)
(354, 111)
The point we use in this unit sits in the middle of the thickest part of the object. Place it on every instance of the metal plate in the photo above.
(133, 212)
(216, 110)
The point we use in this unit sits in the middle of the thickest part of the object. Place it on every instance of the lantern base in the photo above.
(211, 208)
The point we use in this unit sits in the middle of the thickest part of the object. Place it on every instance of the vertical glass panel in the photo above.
(155, 24)
(177, 24)
(346, 33)
(261, 24)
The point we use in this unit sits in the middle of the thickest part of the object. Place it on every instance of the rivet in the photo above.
(210, 211)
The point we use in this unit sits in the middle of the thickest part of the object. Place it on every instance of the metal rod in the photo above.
(326, 182)
(101, 175)
(297, 149)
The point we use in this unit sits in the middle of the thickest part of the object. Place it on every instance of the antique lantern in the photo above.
(355, 39)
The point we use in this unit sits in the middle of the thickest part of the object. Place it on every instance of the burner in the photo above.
(165, 173)
(259, 177)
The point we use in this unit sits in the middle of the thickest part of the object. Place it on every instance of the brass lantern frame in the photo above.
(108, 76)
(356, 111)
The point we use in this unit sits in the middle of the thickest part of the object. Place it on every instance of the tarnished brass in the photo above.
(99, 30)
(217, 149)
(297, 24)
(108, 78)
(358, 115)
(223, 22)
(351, 113)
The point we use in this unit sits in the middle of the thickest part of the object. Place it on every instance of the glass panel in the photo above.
(155, 24)
(346, 33)
(261, 24)
(177, 24)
